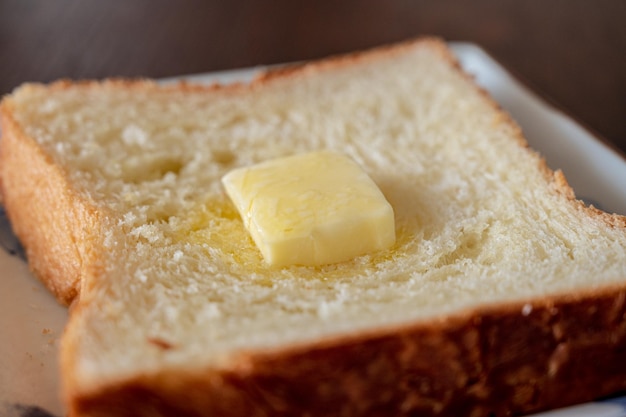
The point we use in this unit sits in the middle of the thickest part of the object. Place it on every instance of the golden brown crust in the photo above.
(335, 62)
(505, 360)
(66, 224)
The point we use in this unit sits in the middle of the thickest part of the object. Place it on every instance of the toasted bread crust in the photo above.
(67, 224)
(551, 353)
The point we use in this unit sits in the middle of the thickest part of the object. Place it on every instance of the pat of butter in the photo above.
(311, 209)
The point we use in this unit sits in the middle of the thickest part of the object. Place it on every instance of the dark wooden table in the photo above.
(572, 52)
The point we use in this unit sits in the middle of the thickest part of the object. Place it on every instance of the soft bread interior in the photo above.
(479, 219)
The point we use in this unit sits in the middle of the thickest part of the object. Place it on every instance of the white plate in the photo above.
(31, 322)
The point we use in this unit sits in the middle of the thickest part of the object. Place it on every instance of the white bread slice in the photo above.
(501, 286)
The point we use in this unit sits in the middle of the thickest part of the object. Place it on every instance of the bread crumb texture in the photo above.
(478, 217)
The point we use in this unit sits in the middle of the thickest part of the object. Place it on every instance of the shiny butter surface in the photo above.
(311, 209)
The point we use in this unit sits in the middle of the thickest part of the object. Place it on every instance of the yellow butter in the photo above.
(311, 209)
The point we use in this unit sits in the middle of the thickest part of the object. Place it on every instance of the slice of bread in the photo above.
(502, 295)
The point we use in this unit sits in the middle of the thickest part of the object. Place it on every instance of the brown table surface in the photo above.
(573, 52)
